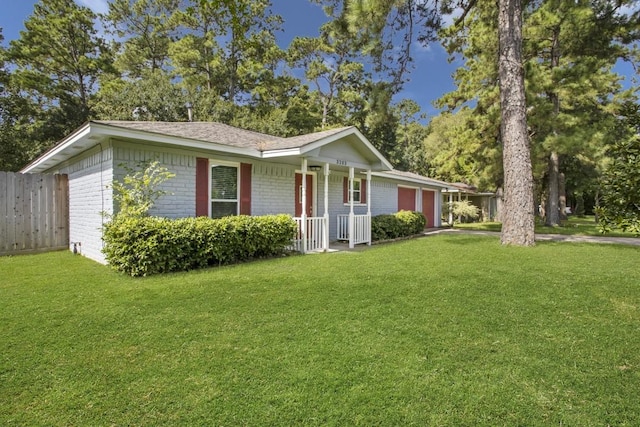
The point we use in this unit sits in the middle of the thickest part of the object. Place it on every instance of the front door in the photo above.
(309, 203)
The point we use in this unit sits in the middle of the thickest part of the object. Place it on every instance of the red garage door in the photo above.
(428, 206)
(406, 199)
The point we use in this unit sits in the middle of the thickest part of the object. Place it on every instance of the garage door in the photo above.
(428, 206)
(406, 199)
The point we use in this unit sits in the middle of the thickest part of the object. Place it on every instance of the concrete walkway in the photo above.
(634, 241)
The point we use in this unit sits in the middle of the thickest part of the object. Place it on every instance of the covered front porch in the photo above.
(314, 233)
(333, 171)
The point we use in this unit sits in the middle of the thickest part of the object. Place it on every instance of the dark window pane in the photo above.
(220, 209)
(224, 183)
(356, 191)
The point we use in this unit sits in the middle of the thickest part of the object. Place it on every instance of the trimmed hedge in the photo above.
(141, 246)
(400, 224)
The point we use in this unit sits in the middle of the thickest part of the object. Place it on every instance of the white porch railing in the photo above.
(361, 226)
(315, 229)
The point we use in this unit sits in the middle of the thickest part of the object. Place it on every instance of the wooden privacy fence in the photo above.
(34, 212)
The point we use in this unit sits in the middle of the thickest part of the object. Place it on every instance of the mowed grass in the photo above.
(574, 225)
(443, 330)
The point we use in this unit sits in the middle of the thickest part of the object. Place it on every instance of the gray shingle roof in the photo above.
(302, 140)
(223, 134)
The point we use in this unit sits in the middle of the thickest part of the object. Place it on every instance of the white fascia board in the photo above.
(285, 152)
(65, 144)
(370, 146)
(349, 131)
(454, 189)
(426, 182)
(299, 151)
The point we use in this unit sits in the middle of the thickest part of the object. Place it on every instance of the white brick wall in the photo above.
(272, 189)
(384, 198)
(89, 196)
(179, 202)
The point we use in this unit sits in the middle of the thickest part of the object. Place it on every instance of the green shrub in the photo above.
(400, 224)
(384, 227)
(411, 222)
(141, 246)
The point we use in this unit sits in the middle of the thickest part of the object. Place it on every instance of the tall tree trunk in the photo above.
(553, 211)
(562, 196)
(499, 205)
(518, 213)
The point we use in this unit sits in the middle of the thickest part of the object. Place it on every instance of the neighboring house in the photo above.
(221, 170)
(486, 202)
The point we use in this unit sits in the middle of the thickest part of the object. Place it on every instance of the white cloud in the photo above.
(98, 6)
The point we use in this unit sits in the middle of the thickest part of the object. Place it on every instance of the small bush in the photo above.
(412, 222)
(141, 246)
(463, 209)
(384, 227)
(400, 224)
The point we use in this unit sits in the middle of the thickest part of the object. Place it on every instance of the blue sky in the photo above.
(430, 78)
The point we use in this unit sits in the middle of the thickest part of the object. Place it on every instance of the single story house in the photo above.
(486, 202)
(331, 182)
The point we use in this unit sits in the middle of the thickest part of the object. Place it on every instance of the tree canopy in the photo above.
(152, 58)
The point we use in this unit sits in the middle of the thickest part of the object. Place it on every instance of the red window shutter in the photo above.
(345, 190)
(363, 191)
(202, 187)
(245, 189)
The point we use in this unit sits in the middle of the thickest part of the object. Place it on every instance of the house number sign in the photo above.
(341, 162)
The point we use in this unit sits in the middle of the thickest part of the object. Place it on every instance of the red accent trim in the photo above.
(245, 188)
(363, 190)
(202, 187)
(345, 190)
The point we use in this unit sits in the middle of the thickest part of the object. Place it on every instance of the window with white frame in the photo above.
(224, 190)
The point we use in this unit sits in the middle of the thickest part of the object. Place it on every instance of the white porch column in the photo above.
(351, 214)
(325, 234)
(303, 193)
(369, 203)
(450, 209)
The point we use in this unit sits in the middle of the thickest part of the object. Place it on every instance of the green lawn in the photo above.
(444, 330)
(575, 225)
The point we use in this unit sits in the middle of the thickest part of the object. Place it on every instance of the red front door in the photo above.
(309, 204)
(428, 206)
(406, 199)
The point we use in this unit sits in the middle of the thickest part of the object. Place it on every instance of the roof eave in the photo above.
(427, 181)
(40, 163)
(95, 130)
